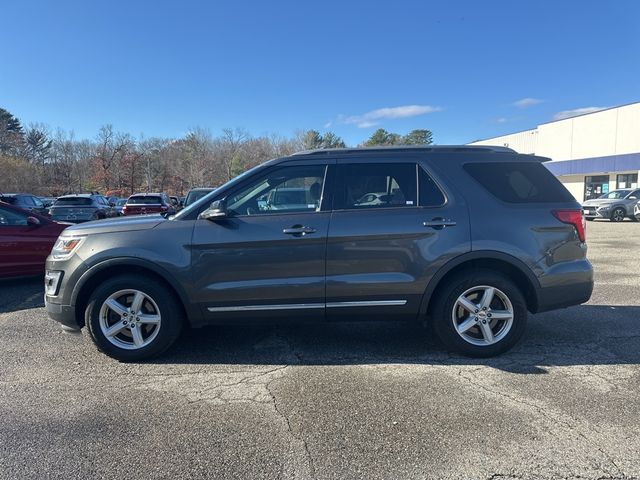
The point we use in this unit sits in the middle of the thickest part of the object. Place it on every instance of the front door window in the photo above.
(296, 189)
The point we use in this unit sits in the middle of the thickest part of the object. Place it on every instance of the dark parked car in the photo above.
(47, 202)
(196, 194)
(25, 201)
(615, 205)
(466, 238)
(81, 208)
(119, 206)
(146, 203)
(26, 239)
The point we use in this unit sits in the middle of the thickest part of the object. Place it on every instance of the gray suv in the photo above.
(467, 239)
(615, 205)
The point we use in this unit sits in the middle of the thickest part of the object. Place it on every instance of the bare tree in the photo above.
(112, 147)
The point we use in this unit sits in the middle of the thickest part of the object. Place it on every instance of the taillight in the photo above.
(572, 217)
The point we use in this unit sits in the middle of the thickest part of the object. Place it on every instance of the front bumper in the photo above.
(596, 212)
(64, 314)
(59, 303)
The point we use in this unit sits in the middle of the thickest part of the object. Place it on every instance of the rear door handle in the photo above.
(439, 223)
(298, 230)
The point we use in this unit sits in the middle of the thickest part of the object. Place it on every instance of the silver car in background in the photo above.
(614, 206)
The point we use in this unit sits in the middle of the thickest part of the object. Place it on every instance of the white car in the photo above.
(636, 211)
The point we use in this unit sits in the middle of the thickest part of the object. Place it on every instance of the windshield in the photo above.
(616, 194)
(121, 202)
(196, 195)
(73, 201)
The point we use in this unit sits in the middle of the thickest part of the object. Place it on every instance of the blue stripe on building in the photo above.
(611, 163)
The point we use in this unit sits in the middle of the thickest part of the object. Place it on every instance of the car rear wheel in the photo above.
(617, 215)
(480, 314)
(133, 317)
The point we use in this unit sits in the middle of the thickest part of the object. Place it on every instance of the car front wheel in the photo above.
(618, 215)
(480, 314)
(133, 317)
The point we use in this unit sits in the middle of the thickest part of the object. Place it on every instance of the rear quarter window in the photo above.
(519, 182)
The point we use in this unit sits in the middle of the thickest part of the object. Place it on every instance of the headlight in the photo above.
(65, 247)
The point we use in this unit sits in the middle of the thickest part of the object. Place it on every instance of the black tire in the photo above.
(169, 310)
(589, 219)
(445, 303)
(618, 214)
(633, 218)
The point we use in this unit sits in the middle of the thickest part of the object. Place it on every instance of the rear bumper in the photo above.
(565, 296)
(564, 285)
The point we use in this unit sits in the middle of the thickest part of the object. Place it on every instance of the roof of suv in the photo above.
(85, 195)
(411, 148)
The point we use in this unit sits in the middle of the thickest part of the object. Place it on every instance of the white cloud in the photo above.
(502, 120)
(526, 102)
(328, 125)
(576, 111)
(374, 117)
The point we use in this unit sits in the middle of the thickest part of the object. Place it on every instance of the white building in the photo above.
(591, 154)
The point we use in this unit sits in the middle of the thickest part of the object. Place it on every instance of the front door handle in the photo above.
(439, 223)
(299, 230)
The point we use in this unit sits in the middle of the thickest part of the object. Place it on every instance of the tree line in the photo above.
(37, 160)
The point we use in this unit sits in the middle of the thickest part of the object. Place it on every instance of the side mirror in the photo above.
(33, 221)
(216, 211)
(111, 204)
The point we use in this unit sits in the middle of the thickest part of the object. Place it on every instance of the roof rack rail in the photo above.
(423, 148)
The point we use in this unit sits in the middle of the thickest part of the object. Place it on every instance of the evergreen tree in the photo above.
(11, 133)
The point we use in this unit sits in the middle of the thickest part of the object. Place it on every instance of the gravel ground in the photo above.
(333, 401)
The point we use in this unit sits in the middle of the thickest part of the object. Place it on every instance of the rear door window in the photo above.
(519, 182)
(429, 193)
(376, 185)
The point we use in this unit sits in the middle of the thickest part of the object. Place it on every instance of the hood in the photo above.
(601, 202)
(119, 224)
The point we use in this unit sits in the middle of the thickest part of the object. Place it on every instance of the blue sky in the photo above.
(458, 68)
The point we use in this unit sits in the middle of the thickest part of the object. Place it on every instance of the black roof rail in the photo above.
(414, 148)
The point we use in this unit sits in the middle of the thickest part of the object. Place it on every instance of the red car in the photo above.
(26, 239)
(145, 203)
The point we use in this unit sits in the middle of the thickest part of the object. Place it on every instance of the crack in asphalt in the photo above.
(555, 417)
(293, 435)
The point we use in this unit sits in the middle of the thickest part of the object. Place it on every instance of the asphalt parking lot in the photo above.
(333, 401)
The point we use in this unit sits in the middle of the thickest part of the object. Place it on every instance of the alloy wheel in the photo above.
(482, 315)
(130, 319)
(617, 215)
